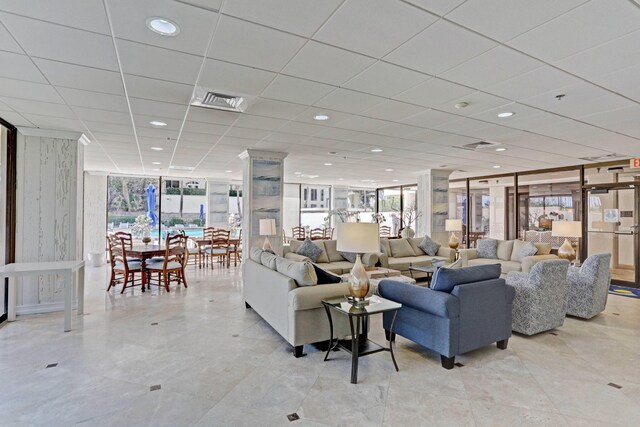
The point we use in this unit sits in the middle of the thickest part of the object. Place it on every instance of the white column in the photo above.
(49, 211)
(217, 204)
(95, 213)
(262, 196)
(339, 200)
(433, 204)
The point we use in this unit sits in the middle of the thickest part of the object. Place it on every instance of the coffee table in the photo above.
(428, 269)
(358, 321)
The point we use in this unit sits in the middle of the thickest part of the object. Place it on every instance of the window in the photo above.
(314, 194)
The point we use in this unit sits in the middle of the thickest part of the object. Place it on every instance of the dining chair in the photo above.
(122, 269)
(207, 234)
(385, 231)
(219, 247)
(193, 251)
(127, 239)
(298, 233)
(328, 233)
(172, 266)
(235, 249)
(316, 234)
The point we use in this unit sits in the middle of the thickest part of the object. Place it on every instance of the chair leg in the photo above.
(246, 305)
(447, 362)
(183, 278)
(126, 280)
(391, 336)
(502, 345)
(112, 281)
(165, 276)
(297, 351)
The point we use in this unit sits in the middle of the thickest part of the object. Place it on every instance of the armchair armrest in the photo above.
(517, 278)
(573, 274)
(370, 259)
(530, 261)
(296, 257)
(448, 253)
(437, 303)
(383, 260)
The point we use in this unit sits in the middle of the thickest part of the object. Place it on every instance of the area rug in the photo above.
(625, 292)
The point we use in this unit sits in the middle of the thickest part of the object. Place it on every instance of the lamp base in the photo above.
(359, 281)
(566, 251)
(266, 246)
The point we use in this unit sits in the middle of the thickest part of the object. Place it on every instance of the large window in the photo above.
(315, 205)
(183, 205)
(389, 207)
(127, 199)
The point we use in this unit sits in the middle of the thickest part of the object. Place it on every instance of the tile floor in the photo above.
(198, 357)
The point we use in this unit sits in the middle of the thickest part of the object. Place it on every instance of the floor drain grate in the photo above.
(154, 324)
(155, 387)
(458, 364)
(554, 333)
(52, 365)
(614, 385)
(293, 417)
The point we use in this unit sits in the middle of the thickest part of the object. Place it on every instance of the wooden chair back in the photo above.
(220, 238)
(328, 233)
(298, 233)
(176, 250)
(125, 237)
(208, 232)
(316, 234)
(384, 231)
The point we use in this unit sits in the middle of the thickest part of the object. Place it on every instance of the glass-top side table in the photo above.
(428, 269)
(359, 345)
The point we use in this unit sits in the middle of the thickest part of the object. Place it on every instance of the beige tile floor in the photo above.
(218, 364)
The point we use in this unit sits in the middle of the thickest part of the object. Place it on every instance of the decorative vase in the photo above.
(146, 237)
(566, 251)
(453, 241)
(358, 282)
(407, 232)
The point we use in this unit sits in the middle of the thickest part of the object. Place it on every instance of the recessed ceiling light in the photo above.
(321, 117)
(328, 164)
(163, 26)
(298, 173)
(156, 169)
(388, 170)
(501, 149)
(340, 179)
(376, 150)
(228, 171)
(395, 180)
(157, 148)
(156, 163)
(496, 166)
(506, 114)
(157, 123)
(461, 105)
(181, 168)
(365, 180)
(333, 153)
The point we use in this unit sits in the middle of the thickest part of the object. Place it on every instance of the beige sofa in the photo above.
(507, 256)
(295, 312)
(330, 259)
(400, 254)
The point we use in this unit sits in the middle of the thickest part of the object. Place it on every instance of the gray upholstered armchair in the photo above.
(589, 286)
(541, 297)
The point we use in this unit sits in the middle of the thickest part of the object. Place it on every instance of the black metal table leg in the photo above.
(355, 344)
(331, 346)
(395, 313)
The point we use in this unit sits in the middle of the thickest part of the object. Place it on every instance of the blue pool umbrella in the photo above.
(151, 204)
(201, 212)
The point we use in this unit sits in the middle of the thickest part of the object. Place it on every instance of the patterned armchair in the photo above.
(541, 297)
(589, 286)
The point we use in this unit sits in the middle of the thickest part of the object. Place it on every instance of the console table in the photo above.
(73, 272)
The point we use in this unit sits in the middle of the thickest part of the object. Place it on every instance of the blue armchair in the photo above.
(465, 309)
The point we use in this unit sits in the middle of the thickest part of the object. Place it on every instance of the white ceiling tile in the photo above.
(258, 122)
(15, 119)
(20, 67)
(385, 79)
(79, 77)
(504, 20)
(296, 90)
(240, 132)
(92, 114)
(318, 61)
(430, 118)
(58, 123)
(109, 128)
(158, 90)
(392, 110)
(276, 109)
(253, 45)
(398, 130)
(440, 47)
(440, 7)
(62, 43)
(586, 26)
(202, 128)
(614, 116)
(348, 101)
(213, 5)
(301, 128)
(537, 81)
(84, 14)
(85, 98)
(29, 90)
(7, 43)
(302, 17)
(196, 25)
(492, 67)
(623, 81)
(40, 108)
(360, 123)
(234, 79)
(478, 101)
(158, 63)
(373, 27)
(208, 115)
(434, 92)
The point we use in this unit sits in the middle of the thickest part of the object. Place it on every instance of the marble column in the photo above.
(433, 204)
(49, 211)
(262, 196)
(95, 213)
(217, 204)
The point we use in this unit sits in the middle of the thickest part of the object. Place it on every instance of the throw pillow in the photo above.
(302, 272)
(487, 248)
(349, 256)
(325, 277)
(255, 254)
(268, 259)
(429, 246)
(384, 247)
(527, 250)
(309, 250)
(400, 248)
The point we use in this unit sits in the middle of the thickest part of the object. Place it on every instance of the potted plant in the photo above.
(409, 216)
(142, 228)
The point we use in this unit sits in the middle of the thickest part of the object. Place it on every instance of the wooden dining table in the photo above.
(144, 252)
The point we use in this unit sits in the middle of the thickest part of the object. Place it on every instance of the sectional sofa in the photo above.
(330, 259)
(507, 256)
(400, 254)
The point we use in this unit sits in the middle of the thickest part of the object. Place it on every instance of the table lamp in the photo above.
(267, 228)
(358, 237)
(566, 229)
(453, 225)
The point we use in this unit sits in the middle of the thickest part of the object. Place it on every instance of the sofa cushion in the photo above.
(528, 249)
(445, 279)
(400, 248)
(325, 277)
(384, 247)
(506, 266)
(487, 248)
(332, 251)
(429, 246)
(543, 248)
(255, 254)
(268, 260)
(339, 267)
(415, 245)
(517, 245)
(302, 272)
(349, 256)
(400, 263)
(310, 250)
(505, 249)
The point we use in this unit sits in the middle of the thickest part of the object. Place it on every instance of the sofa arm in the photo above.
(370, 259)
(468, 254)
(383, 259)
(437, 303)
(296, 257)
(310, 297)
(448, 253)
(530, 261)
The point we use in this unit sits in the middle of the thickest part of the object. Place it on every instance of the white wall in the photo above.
(48, 210)
(95, 212)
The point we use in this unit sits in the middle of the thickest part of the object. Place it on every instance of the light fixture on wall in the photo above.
(358, 238)
(267, 228)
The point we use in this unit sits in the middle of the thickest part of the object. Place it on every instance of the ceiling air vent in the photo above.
(480, 145)
(206, 98)
(606, 157)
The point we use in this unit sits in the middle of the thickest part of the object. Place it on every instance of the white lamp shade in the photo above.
(358, 237)
(453, 225)
(566, 228)
(268, 227)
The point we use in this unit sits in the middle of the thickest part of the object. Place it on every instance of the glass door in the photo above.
(612, 226)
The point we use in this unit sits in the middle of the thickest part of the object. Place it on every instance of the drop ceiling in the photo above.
(388, 73)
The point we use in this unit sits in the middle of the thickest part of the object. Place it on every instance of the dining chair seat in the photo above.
(132, 265)
(133, 259)
(159, 265)
(216, 251)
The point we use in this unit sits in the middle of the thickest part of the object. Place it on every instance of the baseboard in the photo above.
(41, 308)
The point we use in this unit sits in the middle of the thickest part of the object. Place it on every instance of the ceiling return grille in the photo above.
(480, 145)
(206, 98)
